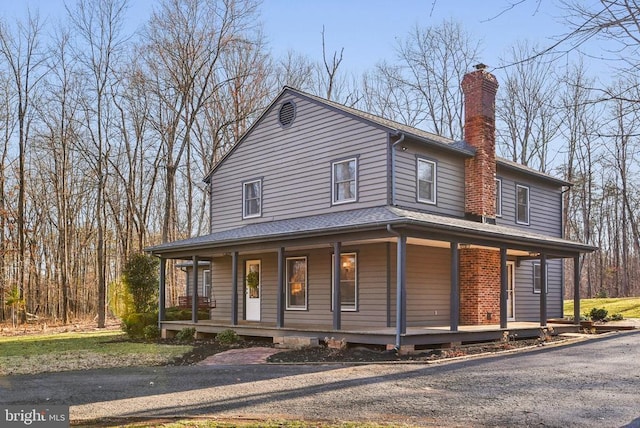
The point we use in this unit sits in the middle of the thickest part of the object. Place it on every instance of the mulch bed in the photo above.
(353, 354)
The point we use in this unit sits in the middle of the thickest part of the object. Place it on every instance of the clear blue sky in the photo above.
(366, 29)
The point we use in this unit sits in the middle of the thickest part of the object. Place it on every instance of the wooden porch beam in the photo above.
(504, 285)
(162, 292)
(454, 316)
(234, 288)
(543, 290)
(401, 289)
(194, 293)
(576, 289)
(337, 307)
(280, 289)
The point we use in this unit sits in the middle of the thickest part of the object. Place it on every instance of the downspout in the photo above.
(399, 288)
(393, 169)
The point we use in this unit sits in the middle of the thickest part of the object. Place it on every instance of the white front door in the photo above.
(252, 289)
(511, 301)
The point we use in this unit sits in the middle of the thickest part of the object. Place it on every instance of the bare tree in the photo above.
(99, 26)
(426, 80)
(186, 40)
(24, 60)
(526, 110)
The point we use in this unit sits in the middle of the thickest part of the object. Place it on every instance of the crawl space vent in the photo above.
(287, 113)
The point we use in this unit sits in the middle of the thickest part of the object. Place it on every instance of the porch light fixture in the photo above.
(533, 254)
(465, 246)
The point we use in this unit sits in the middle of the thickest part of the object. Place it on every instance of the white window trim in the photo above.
(521, 186)
(334, 200)
(306, 285)
(244, 199)
(347, 309)
(498, 197)
(534, 265)
(204, 283)
(432, 201)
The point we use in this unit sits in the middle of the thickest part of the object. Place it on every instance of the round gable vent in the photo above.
(287, 113)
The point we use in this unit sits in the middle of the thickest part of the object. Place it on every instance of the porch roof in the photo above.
(377, 219)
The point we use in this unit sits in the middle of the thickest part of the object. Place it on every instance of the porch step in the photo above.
(295, 342)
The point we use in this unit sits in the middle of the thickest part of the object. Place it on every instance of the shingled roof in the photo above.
(376, 218)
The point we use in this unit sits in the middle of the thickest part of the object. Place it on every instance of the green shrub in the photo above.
(182, 314)
(134, 324)
(186, 334)
(227, 337)
(120, 300)
(151, 332)
(598, 314)
(617, 317)
(602, 294)
(140, 275)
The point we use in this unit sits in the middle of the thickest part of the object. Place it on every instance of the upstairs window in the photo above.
(426, 181)
(522, 204)
(252, 199)
(498, 197)
(344, 181)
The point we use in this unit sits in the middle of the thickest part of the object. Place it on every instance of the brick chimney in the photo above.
(479, 88)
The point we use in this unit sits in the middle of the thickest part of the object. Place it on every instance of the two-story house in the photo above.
(329, 221)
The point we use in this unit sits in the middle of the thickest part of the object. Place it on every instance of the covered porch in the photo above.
(396, 229)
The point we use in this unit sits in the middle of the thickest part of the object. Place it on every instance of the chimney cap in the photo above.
(480, 66)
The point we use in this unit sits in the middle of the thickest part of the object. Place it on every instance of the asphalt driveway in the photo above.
(589, 384)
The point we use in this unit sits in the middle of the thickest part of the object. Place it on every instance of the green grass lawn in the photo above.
(80, 350)
(629, 307)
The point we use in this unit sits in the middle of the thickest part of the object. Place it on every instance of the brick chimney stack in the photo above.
(479, 88)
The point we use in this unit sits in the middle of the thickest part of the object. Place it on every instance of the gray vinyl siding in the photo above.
(189, 278)
(545, 204)
(428, 286)
(449, 180)
(294, 164)
(372, 288)
(528, 302)
(221, 285)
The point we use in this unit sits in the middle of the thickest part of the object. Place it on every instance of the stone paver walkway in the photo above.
(257, 355)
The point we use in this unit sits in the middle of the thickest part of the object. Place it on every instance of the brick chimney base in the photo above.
(479, 286)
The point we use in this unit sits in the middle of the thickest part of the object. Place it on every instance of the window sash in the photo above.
(206, 283)
(296, 292)
(252, 199)
(348, 282)
(537, 279)
(426, 178)
(522, 204)
(344, 180)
